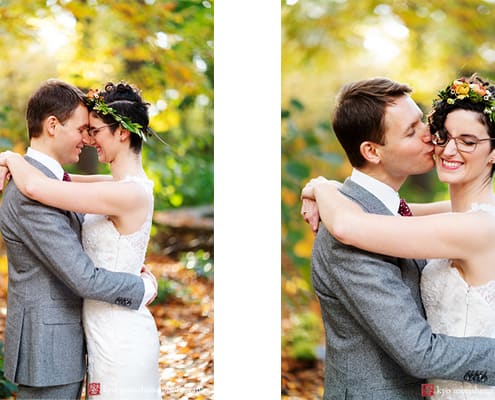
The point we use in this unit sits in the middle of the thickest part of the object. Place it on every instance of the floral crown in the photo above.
(474, 90)
(96, 102)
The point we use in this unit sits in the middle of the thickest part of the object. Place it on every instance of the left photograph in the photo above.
(106, 204)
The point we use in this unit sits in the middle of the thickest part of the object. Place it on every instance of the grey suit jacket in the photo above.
(378, 343)
(49, 274)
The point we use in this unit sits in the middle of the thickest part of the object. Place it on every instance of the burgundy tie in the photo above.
(404, 209)
(66, 177)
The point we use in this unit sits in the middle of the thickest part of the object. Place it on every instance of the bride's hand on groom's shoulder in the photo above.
(4, 177)
(4, 169)
(310, 214)
(309, 208)
(6, 155)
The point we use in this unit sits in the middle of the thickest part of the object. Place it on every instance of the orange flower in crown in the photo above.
(460, 88)
(480, 89)
(93, 93)
(471, 89)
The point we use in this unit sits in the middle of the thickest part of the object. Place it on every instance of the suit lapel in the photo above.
(368, 201)
(78, 217)
(40, 166)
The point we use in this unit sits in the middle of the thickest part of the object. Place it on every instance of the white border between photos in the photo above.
(247, 200)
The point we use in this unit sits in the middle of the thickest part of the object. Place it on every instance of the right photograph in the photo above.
(388, 211)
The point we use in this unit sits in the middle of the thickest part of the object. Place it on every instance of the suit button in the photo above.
(476, 376)
(123, 301)
(468, 376)
(481, 376)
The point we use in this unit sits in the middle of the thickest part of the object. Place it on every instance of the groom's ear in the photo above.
(50, 124)
(370, 152)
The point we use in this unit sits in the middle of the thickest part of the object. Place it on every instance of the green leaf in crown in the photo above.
(97, 103)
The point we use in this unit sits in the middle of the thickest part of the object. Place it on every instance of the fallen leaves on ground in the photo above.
(185, 325)
(302, 380)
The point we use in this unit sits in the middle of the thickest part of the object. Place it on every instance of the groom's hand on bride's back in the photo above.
(150, 284)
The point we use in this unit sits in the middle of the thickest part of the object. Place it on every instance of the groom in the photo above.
(378, 343)
(49, 272)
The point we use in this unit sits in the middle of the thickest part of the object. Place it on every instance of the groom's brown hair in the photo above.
(359, 115)
(53, 97)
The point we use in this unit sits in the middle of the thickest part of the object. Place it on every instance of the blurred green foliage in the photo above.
(303, 149)
(200, 262)
(169, 289)
(328, 43)
(303, 339)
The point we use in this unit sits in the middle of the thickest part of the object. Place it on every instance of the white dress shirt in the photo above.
(52, 164)
(380, 190)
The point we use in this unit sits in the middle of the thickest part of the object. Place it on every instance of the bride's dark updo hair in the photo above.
(127, 102)
(471, 94)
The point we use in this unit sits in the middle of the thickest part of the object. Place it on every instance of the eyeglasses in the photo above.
(463, 143)
(94, 131)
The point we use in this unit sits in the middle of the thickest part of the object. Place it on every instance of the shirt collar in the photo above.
(382, 191)
(49, 162)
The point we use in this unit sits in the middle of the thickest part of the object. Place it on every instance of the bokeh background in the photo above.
(325, 44)
(165, 48)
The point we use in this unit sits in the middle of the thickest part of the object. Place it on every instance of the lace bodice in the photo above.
(452, 306)
(457, 309)
(111, 250)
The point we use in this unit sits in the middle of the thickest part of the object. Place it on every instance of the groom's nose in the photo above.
(426, 134)
(86, 139)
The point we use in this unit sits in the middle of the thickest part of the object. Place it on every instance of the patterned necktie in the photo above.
(66, 177)
(404, 209)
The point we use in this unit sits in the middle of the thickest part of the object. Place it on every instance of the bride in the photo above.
(458, 284)
(122, 344)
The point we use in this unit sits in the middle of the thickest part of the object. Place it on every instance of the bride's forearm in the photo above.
(434, 236)
(26, 177)
(91, 178)
(340, 215)
(437, 207)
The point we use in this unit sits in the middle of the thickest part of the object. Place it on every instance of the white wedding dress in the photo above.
(123, 344)
(457, 309)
